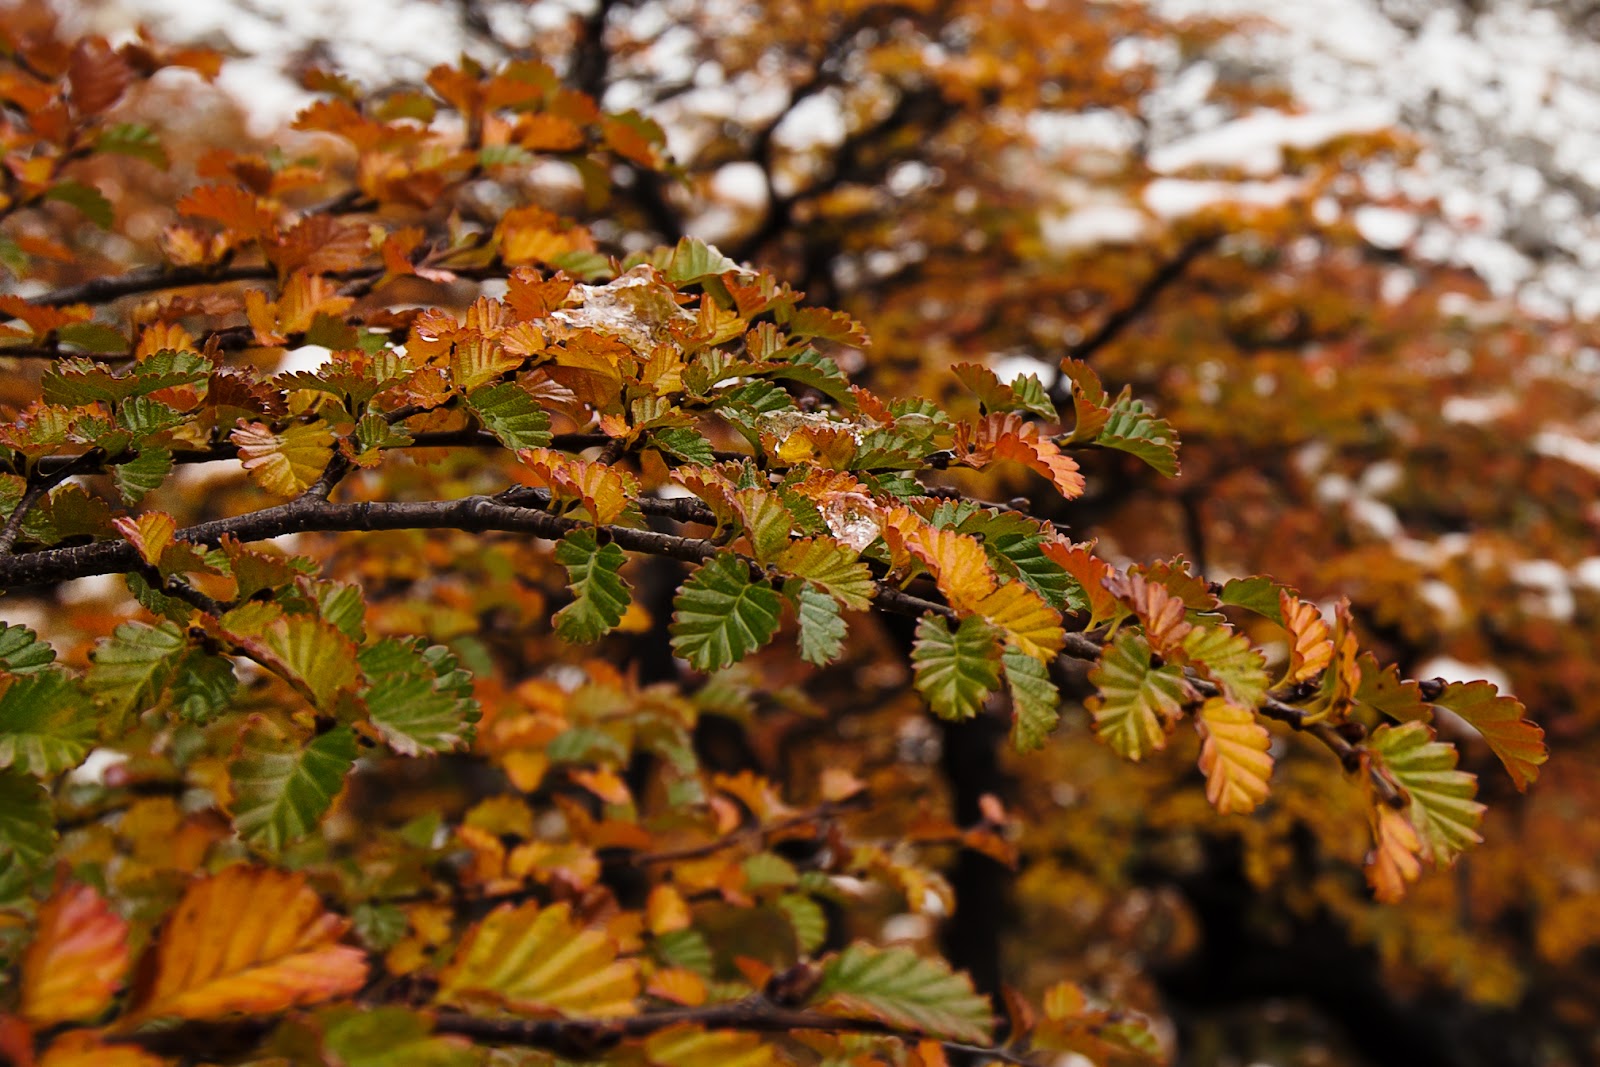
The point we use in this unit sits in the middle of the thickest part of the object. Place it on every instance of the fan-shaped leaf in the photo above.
(1228, 660)
(281, 789)
(247, 940)
(1233, 756)
(957, 671)
(535, 959)
(1137, 702)
(1034, 700)
(419, 701)
(508, 411)
(600, 596)
(284, 462)
(78, 958)
(1442, 808)
(831, 566)
(46, 724)
(1133, 429)
(21, 651)
(903, 989)
(822, 631)
(720, 615)
(309, 653)
(1503, 724)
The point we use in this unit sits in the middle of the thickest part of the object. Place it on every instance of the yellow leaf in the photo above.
(533, 959)
(605, 491)
(666, 910)
(1233, 756)
(78, 958)
(150, 533)
(959, 565)
(476, 360)
(690, 1046)
(1029, 623)
(286, 462)
(247, 940)
(678, 985)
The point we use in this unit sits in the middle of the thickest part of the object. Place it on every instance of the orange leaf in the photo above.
(287, 462)
(97, 76)
(83, 1048)
(232, 205)
(1090, 572)
(1029, 623)
(1006, 435)
(1233, 756)
(1393, 863)
(957, 561)
(1310, 647)
(78, 958)
(1159, 611)
(247, 940)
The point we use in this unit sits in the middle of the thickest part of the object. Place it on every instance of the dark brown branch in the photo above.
(753, 1014)
(38, 485)
(759, 834)
(103, 290)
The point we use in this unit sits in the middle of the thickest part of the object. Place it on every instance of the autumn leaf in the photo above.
(1501, 721)
(246, 940)
(1393, 864)
(77, 960)
(1441, 809)
(535, 959)
(1136, 702)
(287, 462)
(281, 788)
(1233, 756)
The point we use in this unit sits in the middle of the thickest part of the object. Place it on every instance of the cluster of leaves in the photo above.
(375, 796)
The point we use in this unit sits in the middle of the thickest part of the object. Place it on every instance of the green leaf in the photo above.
(1442, 808)
(389, 1036)
(1501, 721)
(418, 705)
(46, 724)
(686, 948)
(1133, 429)
(686, 443)
(304, 650)
(130, 669)
(898, 987)
(93, 337)
(27, 826)
(511, 414)
(1034, 700)
(132, 139)
(1257, 594)
(142, 474)
(380, 926)
(822, 631)
(1228, 660)
(203, 686)
(21, 651)
(1137, 702)
(280, 789)
(957, 671)
(720, 616)
(87, 199)
(693, 260)
(599, 595)
(808, 920)
(1025, 553)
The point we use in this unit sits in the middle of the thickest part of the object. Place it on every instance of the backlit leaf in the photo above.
(536, 959)
(306, 651)
(286, 462)
(77, 960)
(1442, 808)
(690, 1046)
(903, 989)
(1228, 660)
(1134, 429)
(1026, 620)
(1136, 702)
(511, 414)
(831, 566)
(1233, 756)
(281, 788)
(248, 940)
(956, 671)
(720, 615)
(1502, 722)
(1392, 864)
(390, 1036)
